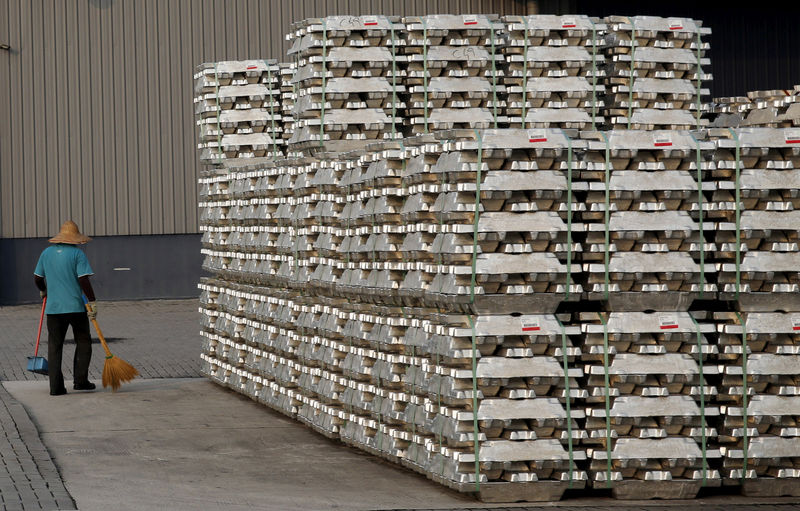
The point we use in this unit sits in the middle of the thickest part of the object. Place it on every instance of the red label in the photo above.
(537, 140)
(368, 24)
(676, 28)
(663, 144)
(668, 327)
(568, 26)
(531, 328)
(793, 141)
(251, 67)
(470, 22)
(796, 327)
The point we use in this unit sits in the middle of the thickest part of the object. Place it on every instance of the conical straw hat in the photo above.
(69, 233)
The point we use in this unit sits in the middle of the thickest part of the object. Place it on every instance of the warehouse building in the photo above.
(97, 125)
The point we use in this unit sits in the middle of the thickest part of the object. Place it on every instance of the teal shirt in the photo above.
(61, 265)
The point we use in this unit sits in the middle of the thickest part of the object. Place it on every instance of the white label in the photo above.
(531, 325)
(795, 323)
(662, 140)
(676, 24)
(667, 322)
(369, 21)
(792, 136)
(568, 23)
(470, 19)
(537, 136)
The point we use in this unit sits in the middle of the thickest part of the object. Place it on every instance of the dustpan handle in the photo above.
(39, 335)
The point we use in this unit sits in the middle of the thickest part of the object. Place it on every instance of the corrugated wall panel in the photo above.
(97, 122)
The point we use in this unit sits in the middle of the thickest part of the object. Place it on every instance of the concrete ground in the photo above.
(172, 440)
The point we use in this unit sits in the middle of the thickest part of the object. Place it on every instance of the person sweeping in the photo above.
(61, 274)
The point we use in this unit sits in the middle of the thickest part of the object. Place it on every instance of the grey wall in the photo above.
(159, 267)
(96, 116)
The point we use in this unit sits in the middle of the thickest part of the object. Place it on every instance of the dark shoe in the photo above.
(84, 386)
(59, 392)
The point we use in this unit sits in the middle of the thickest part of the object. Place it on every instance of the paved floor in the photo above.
(174, 441)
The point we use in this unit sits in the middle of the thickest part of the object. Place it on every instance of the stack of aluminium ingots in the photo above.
(454, 72)
(554, 71)
(238, 110)
(654, 72)
(348, 82)
(645, 250)
(762, 108)
(758, 257)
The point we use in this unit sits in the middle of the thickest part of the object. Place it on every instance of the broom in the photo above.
(116, 371)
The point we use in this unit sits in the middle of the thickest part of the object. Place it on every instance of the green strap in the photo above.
(272, 115)
(425, 70)
(633, 60)
(394, 82)
(699, 72)
(569, 213)
(568, 400)
(494, 80)
(475, 405)
(219, 126)
(477, 216)
(608, 400)
(594, 75)
(702, 397)
(607, 218)
(700, 209)
(525, 72)
(738, 213)
(745, 438)
(324, 79)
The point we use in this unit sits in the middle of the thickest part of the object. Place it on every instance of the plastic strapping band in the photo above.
(272, 114)
(607, 399)
(425, 70)
(702, 397)
(324, 80)
(700, 220)
(745, 439)
(607, 218)
(476, 219)
(525, 72)
(633, 61)
(699, 73)
(494, 79)
(569, 213)
(394, 82)
(216, 95)
(594, 74)
(738, 214)
(475, 405)
(568, 398)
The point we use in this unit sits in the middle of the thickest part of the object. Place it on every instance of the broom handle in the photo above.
(39, 335)
(100, 335)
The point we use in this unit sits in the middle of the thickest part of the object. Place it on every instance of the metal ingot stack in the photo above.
(238, 110)
(454, 72)
(348, 81)
(760, 398)
(761, 108)
(504, 231)
(288, 98)
(650, 410)
(645, 245)
(655, 72)
(758, 204)
(554, 71)
(498, 414)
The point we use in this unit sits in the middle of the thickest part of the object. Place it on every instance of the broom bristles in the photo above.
(116, 372)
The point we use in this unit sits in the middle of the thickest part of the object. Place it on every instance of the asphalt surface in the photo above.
(173, 440)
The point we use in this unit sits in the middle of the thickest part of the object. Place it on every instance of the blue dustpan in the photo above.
(37, 365)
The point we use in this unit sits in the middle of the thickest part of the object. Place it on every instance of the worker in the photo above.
(61, 274)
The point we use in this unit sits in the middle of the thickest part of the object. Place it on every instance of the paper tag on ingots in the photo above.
(537, 136)
(531, 325)
(796, 323)
(792, 136)
(568, 23)
(369, 21)
(667, 321)
(662, 140)
(675, 24)
(470, 19)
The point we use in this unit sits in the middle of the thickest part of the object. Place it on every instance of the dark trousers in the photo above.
(57, 325)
